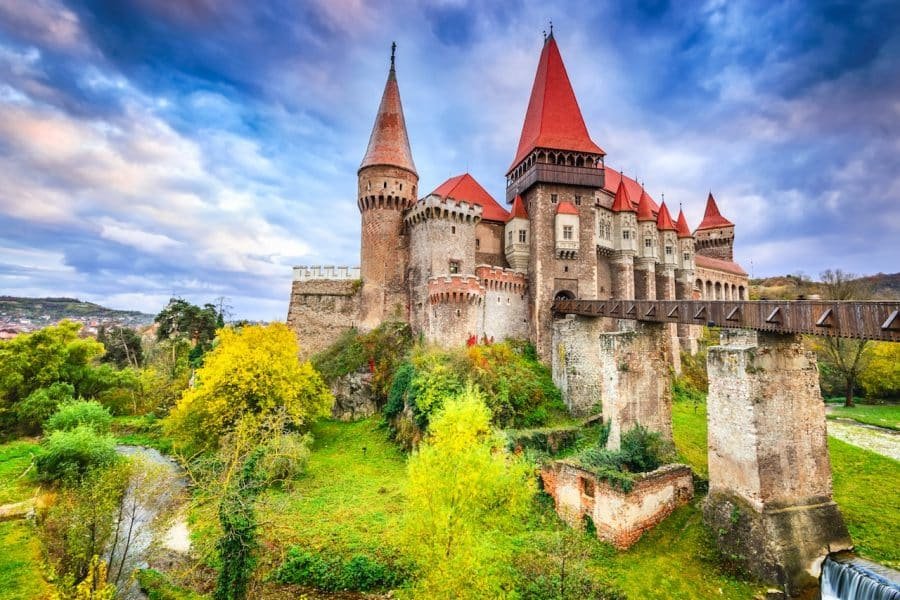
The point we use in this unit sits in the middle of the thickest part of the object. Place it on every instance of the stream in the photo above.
(149, 519)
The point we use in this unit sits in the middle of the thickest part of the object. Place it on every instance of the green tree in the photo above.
(123, 346)
(182, 320)
(465, 493)
(253, 373)
(41, 404)
(83, 412)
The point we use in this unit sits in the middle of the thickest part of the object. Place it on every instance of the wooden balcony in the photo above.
(547, 173)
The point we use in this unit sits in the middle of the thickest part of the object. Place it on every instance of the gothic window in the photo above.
(553, 198)
(687, 257)
(626, 235)
(668, 250)
(648, 243)
(567, 232)
(385, 185)
(454, 266)
(477, 244)
(521, 236)
(577, 200)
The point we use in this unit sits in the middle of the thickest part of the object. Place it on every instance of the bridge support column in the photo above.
(688, 335)
(645, 279)
(665, 290)
(770, 500)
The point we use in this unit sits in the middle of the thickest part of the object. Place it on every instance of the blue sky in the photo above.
(202, 147)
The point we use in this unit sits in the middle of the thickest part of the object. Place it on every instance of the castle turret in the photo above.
(684, 281)
(516, 237)
(387, 186)
(714, 237)
(625, 236)
(556, 161)
(648, 250)
(668, 254)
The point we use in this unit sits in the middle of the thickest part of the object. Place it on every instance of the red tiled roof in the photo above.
(389, 143)
(645, 208)
(664, 219)
(717, 264)
(566, 208)
(464, 188)
(518, 209)
(553, 119)
(611, 184)
(623, 202)
(712, 218)
(681, 225)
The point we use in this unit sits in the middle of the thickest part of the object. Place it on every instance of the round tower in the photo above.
(387, 181)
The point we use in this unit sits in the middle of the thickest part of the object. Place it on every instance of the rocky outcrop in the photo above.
(353, 397)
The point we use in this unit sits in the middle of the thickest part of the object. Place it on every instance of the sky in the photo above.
(201, 148)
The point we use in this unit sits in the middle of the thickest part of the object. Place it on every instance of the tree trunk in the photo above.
(848, 398)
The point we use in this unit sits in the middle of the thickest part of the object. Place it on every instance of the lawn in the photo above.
(351, 501)
(865, 484)
(882, 415)
(20, 557)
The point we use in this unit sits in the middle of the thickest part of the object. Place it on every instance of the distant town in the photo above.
(23, 315)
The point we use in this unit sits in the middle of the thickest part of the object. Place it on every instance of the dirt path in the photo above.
(881, 441)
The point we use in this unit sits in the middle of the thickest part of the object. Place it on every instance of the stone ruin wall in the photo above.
(620, 518)
(321, 310)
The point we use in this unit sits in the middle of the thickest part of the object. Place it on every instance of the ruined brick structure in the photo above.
(455, 263)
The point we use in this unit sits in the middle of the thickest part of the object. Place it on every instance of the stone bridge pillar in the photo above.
(627, 373)
(769, 497)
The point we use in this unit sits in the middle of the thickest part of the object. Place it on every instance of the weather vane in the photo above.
(393, 51)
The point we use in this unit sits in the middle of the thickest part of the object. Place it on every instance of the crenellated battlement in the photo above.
(455, 289)
(497, 278)
(328, 273)
(435, 207)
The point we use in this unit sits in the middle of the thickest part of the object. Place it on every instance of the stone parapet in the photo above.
(435, 207)
(455, 288)
(496, 278)
(317, 273)
(619, 517)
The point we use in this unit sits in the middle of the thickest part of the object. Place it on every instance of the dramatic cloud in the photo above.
(203, 147)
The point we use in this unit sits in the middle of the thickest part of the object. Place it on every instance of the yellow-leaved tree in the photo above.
(253, 374)
(465, 493)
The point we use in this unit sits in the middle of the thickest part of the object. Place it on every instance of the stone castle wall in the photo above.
(321, 310)
(505, 312)
(456, 309)
(489, 244)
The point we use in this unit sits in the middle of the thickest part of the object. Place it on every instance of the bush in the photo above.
(333, 574)
(68, 455)
(83, 412)
(41, 404)
(640, 451)
(285, 457)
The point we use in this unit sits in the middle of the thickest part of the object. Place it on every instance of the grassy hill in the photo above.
(790, 287)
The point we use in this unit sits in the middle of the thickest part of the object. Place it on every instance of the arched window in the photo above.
(699, 285)
(709, 291)
(564, 295)
(742, 293)
(718, 291)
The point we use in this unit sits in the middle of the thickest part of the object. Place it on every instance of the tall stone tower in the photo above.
(714, 236)
(558, 170)
(387, 186)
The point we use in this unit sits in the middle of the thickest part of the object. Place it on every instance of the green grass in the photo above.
(20, 561)
(866, 489)
(865, 484)
(141, 430)
(882, 415)
(15, 458)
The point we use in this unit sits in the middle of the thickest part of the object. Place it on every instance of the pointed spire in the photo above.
(664, 219)
(712, 218)
(681, 226)
(645, 208)
(518, 210)
(553, 119)
(389, 142)
(622, 203)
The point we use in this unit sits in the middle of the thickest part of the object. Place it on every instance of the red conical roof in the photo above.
(664, 219)
(613, 178)
(681, 226)
(518, 209)
(566, 208)
(464, 188)
(712, 218)
(389, 143)
(553, 119)
(623, 202)
(645, 208)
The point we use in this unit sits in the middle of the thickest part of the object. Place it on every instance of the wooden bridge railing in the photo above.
(862, 320)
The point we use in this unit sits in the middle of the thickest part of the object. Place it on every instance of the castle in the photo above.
(455, 263)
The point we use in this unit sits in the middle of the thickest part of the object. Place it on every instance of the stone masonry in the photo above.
(770, 494)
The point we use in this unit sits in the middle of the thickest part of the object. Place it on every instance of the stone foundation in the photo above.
(769, 471)
(353, 397)
(619, 518)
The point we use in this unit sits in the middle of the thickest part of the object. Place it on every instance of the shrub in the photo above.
(285, 457)
(399, 392)
(41, 404)
(83, 412)
(640, 451)
(333, 574)
(68, 455)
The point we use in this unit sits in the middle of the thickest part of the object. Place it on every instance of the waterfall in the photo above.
(851, 578)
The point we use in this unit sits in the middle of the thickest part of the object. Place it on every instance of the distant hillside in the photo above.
(789, 287)
(51, 310)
